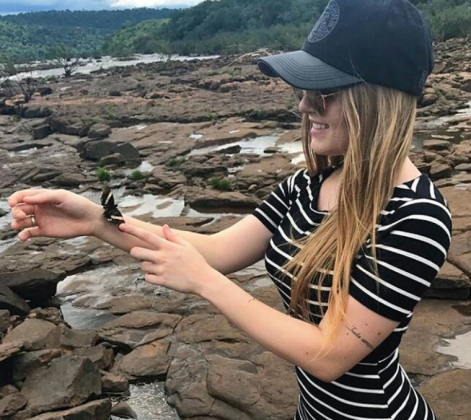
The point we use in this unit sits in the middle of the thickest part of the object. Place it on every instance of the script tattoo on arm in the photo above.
(358, 335)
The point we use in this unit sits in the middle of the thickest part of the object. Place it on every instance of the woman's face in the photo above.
(330, 138)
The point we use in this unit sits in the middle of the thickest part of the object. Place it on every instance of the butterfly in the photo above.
(111, 213)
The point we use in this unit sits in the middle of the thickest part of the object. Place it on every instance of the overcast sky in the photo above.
(16, 6)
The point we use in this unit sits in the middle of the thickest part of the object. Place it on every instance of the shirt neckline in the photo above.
(330, 169)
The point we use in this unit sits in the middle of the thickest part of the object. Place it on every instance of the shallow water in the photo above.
(148, 401)
(107, 63)
(460, 347)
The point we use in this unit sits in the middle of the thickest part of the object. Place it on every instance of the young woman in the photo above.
(352, 242)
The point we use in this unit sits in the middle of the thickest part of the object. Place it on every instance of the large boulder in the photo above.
(10, 301)
(37, 284)
(70, 381)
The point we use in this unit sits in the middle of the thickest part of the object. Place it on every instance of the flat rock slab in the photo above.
(449, 394)
(95, 410)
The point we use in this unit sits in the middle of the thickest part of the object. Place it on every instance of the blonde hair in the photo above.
(380, 124)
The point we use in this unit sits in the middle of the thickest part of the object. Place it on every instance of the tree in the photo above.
(27, 85)
(64, 57)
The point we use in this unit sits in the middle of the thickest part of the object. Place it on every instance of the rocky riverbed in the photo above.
(79, 328)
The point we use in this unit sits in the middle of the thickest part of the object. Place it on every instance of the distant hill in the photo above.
(104, 20)
(30, 36)
(210, 27)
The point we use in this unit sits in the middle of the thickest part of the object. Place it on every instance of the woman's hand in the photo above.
(57, 214)
(171, 262)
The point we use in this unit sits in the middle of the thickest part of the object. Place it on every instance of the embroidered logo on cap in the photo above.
(326, 23)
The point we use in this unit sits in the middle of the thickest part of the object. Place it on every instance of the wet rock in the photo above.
(150, 361)
(128, 151)
(45, 174)
(98, 149)
(37, 284)
(100, 355)
(228, 87)
(35, 111)
(428, 99)
(95, 410)
(437, 145)
(138, 328)
(12, 302)
(67, 338)
(113, 159)
(50, 314)
(25, 364)
(11, 404)
(69, 180)
(32, 332)
(448, 394)
(167, 179)
(70, 381)
(45, 90)
(123, 411)
(95, 150)
(4, 322)
(42, 131)
(202, 327)
(114, 384)
(433, 319)
(440, 171)
(71, 125)
(99, 131)
(7, 390)
(9, 349)
(463, 167)
(450, 283)
(217, 199)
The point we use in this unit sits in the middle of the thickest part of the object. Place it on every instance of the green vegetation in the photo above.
(108, 111)
(176, 161)
(222, 184)
(210, 27)
(136, 175)
(33, 36)
(103, 175)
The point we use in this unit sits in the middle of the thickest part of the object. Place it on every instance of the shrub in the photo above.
(222, 184)
(176, 161)
(136, 175)
(103, 175)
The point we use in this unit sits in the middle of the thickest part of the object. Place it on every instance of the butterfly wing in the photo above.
(111, 213)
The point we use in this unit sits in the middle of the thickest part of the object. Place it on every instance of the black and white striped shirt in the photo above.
(413, 238)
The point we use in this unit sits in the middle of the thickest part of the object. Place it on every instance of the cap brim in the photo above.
(304, 71)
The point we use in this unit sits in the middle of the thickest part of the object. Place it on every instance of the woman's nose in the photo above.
(305, 107)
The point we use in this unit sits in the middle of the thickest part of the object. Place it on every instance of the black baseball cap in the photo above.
(385, 42)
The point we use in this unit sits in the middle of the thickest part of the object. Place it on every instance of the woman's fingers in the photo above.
(143, 254)
(143, 235)
(22, 211)
(46, 196)
(18, 197)
(29, 233)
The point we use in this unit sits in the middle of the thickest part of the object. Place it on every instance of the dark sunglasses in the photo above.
(316, 98)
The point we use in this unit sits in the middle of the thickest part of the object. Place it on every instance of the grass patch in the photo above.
(222, 184)
(176, 161)
(103, 175)
(108, 111)
(136, 175)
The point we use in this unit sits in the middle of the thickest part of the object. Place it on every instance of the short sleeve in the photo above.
(411, 248)
(274, 208)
